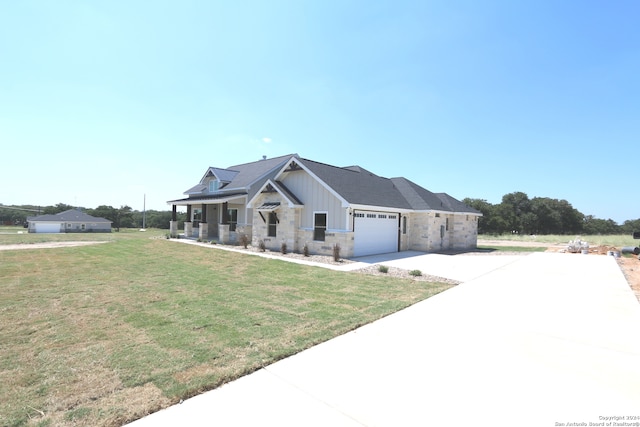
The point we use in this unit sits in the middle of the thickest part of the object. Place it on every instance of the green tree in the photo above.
(514, 206)
(592, 225)
(630, 226)
(60, 207)
(122, 217)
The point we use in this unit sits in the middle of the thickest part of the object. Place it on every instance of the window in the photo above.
(319, 226)
(271, 225)
(214, 185)
(404, 225)
(233, 219)
(447, 222)
(437, 215)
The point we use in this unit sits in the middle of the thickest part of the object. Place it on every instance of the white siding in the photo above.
(315, 198)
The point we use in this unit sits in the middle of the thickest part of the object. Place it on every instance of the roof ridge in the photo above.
(263, 159)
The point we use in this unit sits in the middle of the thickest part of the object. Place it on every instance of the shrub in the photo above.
(415, 273)
(283, 248)
(383, 269)
(262, 246)
(244, 240)
(213, 242)
(336, 252)
(305, 250)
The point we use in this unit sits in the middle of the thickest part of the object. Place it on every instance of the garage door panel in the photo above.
(375, 233)
(47, 227)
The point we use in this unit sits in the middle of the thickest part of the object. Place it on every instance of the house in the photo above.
(301, 202)
(71, 221)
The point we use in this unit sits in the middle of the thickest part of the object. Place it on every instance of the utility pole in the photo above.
(144, 212)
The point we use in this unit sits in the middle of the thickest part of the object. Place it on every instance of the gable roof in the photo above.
(354, 184)
(71, 215)
(357, 185)
(362, 187)
(241, 178)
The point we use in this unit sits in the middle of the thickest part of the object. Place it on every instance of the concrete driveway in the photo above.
(457, 267)
(540, 340)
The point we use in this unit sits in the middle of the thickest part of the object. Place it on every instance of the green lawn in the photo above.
(618, 240)
(103, 334)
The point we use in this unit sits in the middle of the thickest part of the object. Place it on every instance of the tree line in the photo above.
(517, 213)
(122, 217)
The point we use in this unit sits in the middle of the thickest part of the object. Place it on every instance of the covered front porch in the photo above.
(221, 219)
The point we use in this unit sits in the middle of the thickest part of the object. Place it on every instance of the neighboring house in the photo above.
(71, 221)
(298, 201)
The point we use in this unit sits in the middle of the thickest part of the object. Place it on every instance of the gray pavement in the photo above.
(535, 340)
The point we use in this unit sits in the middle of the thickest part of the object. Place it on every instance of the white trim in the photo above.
(326, 224)
(344, 202)
(382, 208)
(290, 203)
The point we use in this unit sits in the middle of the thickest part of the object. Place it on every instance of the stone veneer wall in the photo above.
(289, 222)
(465, 231)
(423, 232)
(344, 239)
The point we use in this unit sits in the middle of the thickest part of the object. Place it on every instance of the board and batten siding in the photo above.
(316, 198)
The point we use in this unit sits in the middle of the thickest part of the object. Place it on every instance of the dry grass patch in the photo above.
(101, 335)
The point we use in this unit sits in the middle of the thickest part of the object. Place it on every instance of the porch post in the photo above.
(173, 224)
(188, 225)
(204, 227)
(225, 213)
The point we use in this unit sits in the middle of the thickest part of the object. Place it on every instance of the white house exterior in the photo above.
(301, 202)
(71, 221)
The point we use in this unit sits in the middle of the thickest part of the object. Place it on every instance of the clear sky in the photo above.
(102, 102)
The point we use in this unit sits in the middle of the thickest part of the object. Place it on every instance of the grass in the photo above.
(617, 240)
(512, 248)
(101, 335)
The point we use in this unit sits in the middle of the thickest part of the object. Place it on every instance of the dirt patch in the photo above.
(48, 245)
(630, 267)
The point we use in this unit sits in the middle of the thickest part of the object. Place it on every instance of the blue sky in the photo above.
(103, 102)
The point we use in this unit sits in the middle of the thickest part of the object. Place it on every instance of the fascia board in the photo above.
(445, 212)
(345, 203)
(380, 208)
(186, 202)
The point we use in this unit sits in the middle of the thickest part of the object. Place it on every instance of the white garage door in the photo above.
(375, 233)
(47, 227)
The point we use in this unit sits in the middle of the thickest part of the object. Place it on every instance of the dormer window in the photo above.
(214, 185)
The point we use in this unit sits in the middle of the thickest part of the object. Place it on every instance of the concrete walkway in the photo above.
(540, 340)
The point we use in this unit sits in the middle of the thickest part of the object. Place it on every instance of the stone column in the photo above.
(224, 235)
(204, 231)
(188, 229)
(173, 229)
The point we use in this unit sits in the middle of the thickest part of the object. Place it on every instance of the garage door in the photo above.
(375, 233)
(47, 227)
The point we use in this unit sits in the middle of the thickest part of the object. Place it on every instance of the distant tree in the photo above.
(630, 226)
(592, 225)
(514, 205)
(60, 207)
(122, 217)
(492, 220)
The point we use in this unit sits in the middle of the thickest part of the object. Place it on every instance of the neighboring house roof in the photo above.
(72, 215)
(354, 184)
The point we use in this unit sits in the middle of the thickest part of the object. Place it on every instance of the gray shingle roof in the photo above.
(72, 215)
(360, 186)
(353, 183)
